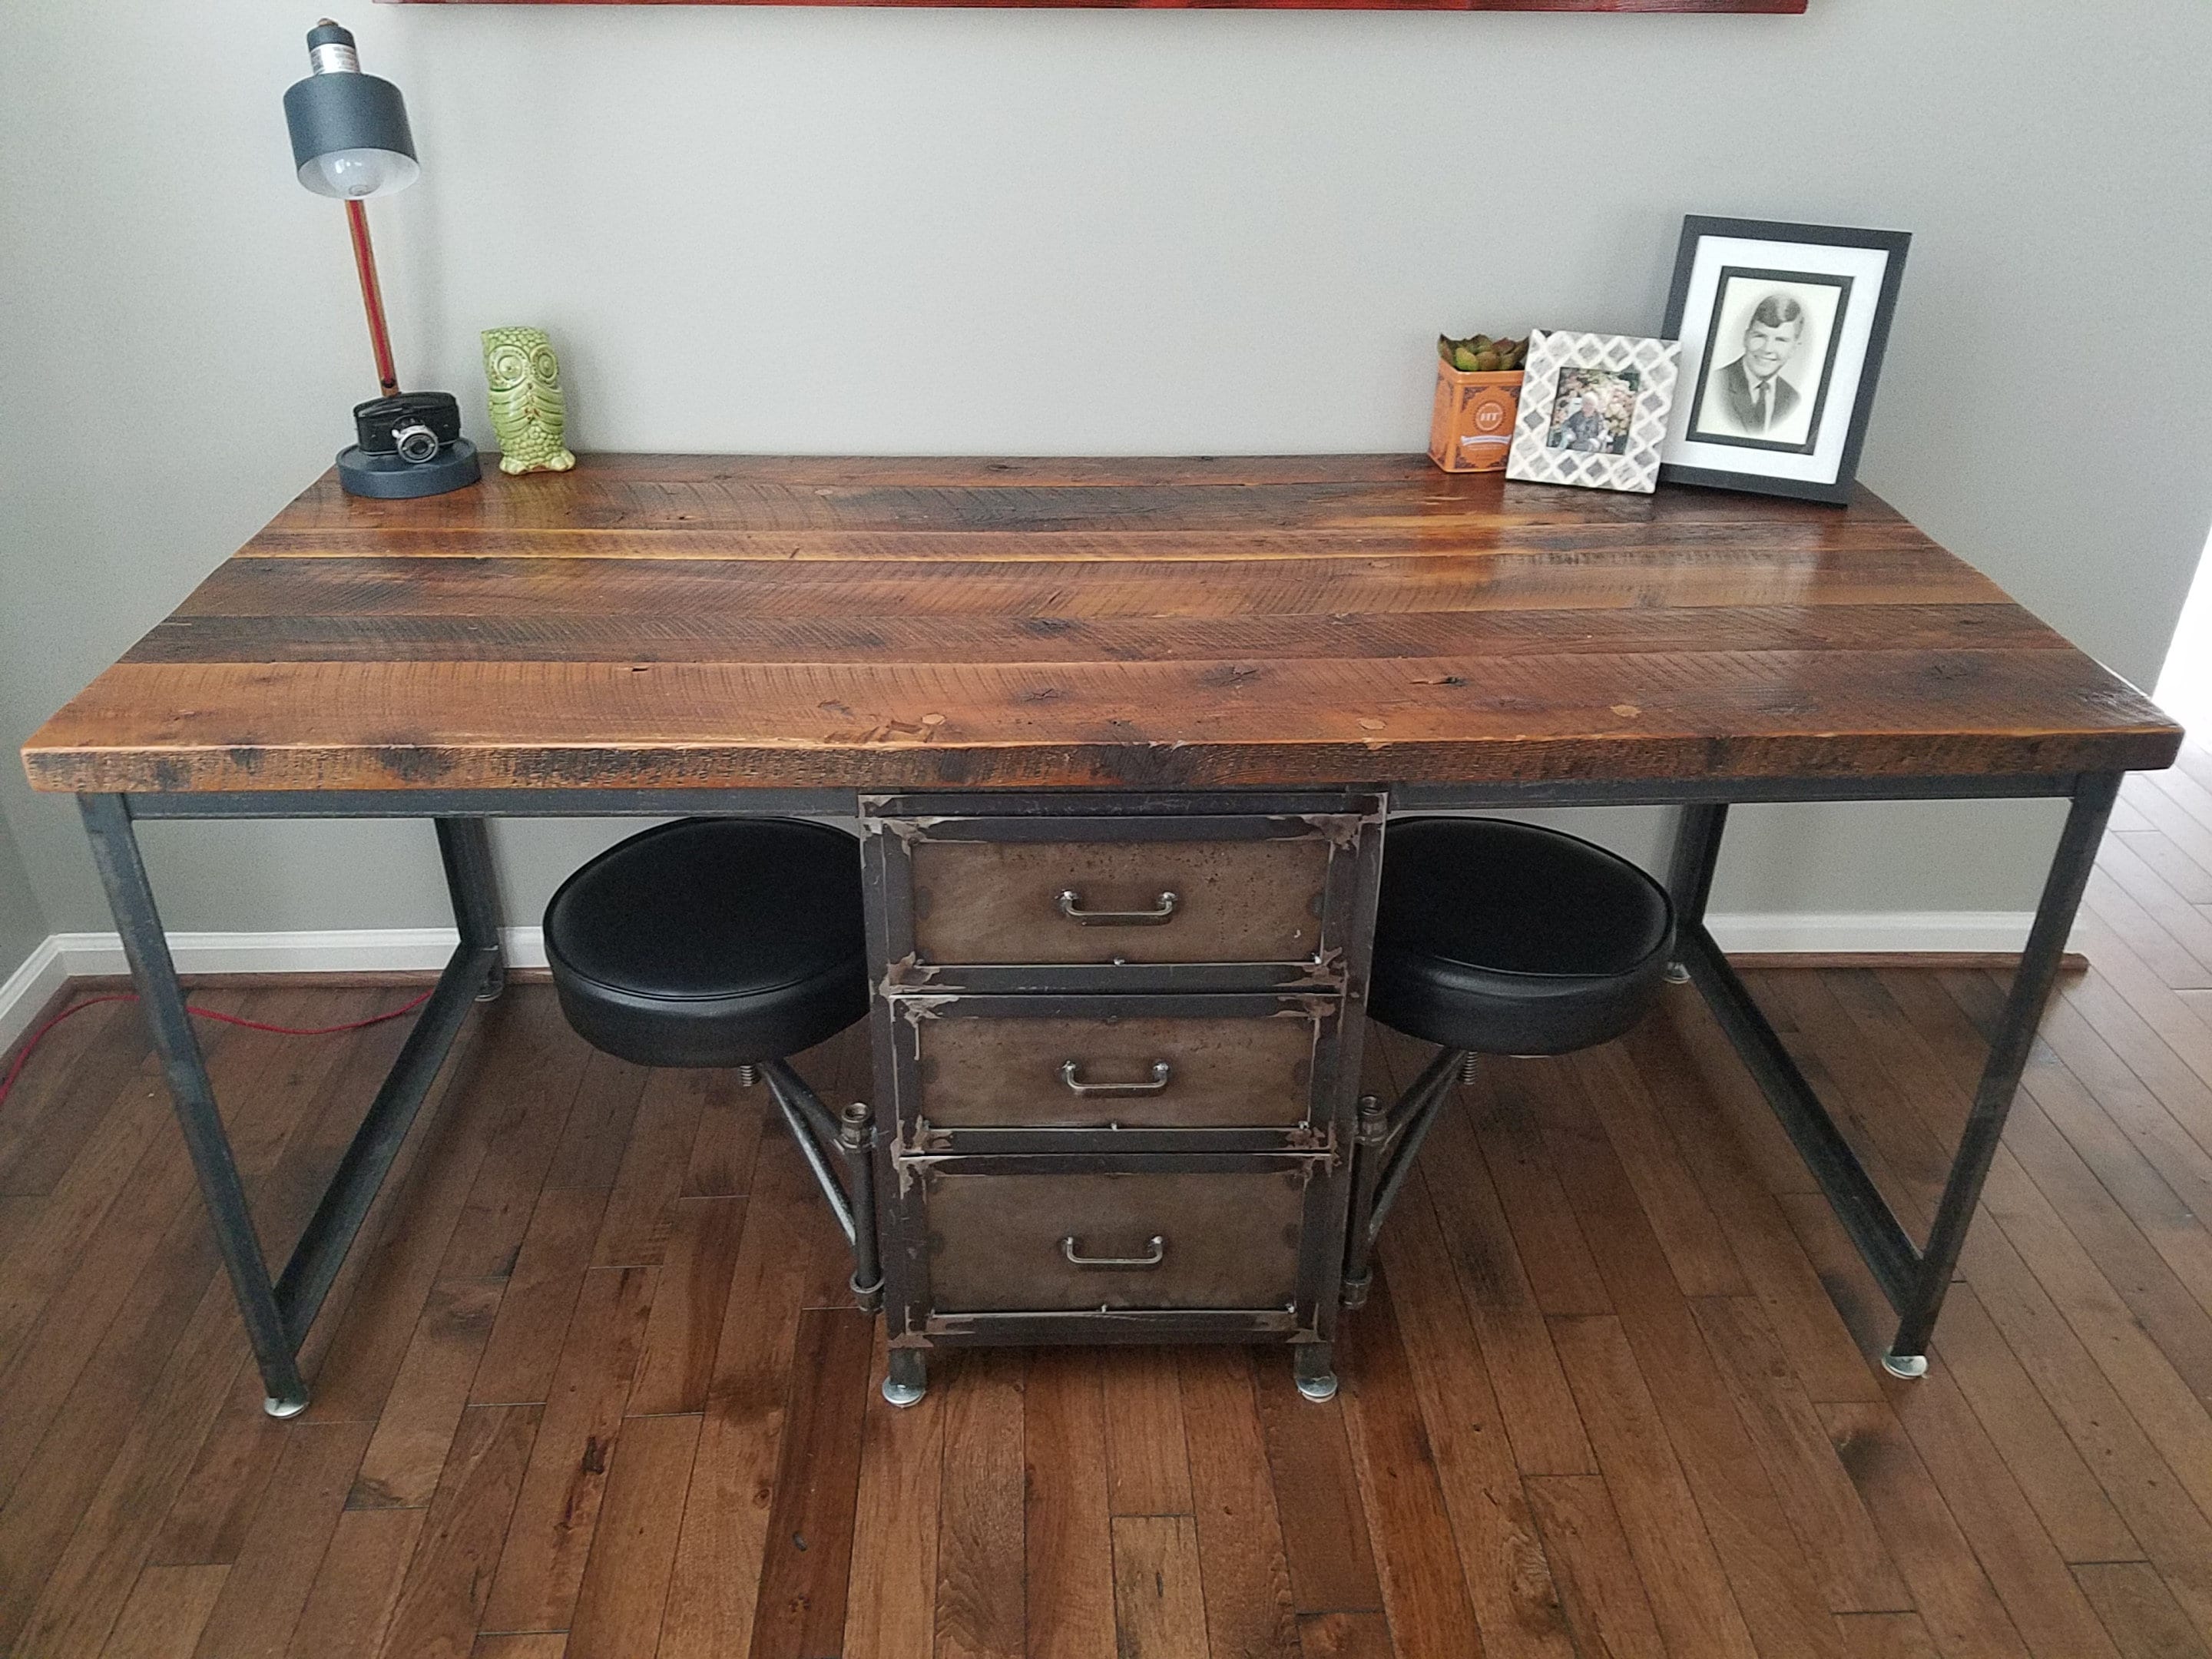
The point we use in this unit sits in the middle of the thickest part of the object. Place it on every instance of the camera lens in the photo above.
(416, 443)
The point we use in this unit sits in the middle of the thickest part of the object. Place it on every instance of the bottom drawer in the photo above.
(1009, 1243)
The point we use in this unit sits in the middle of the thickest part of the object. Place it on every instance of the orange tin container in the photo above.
(1472, 430)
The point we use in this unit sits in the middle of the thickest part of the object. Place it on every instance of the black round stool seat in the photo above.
(1505, 939)
(712, 942)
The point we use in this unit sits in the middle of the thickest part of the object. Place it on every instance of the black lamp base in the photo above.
(391, 478)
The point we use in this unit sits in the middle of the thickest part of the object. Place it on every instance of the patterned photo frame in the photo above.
(1610, 368)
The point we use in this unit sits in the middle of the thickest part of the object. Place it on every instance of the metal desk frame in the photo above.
(279, 1310)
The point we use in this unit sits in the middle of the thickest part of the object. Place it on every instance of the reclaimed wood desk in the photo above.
(1107, 661)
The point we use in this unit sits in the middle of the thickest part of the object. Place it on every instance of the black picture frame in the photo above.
(1696, 229)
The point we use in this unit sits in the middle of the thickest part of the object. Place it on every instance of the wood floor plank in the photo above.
(1345, 1636)
(1530, 1205)
(441, 1599)
(635, 1230)
(283, 1549)
(1672, 1199)
(890, 1604)
(523, 1348)
(1508, 1323)
(208, 1521)
(1599, 1586)
(1887, 1636)
(357, 1585)
(1502, 1555)
(1316, 1498)
(982, 1610)
(1952, 1594)
(81, 1594)
(550, 1537)
(712, 1595)
(527, 1098)
(1160, 1610)
(625, 1585)
(1766, 1567)
(1069, 1549)
(1249, 1609)
(1425, 1590)
(1691, 1597)
(408, 1451)
(1790, 1291)
(1846, 1553)
(2074, 1507)
(811, 1511)
(541, 1644)
(2139, 1611)
(1148, 1463)
(167, 1608)
(688, 1304)
(728, 1138)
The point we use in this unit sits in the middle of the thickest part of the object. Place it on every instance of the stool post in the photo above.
(856, 1140)
(1369, 1138)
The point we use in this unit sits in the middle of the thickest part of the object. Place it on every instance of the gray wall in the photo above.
(917, 230)
(22, 923)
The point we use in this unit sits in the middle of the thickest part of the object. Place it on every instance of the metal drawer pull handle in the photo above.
(1068, 1075)
(1156, 1247)
(1071, 903)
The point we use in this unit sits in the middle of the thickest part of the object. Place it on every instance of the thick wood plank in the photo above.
(443, 1598)
(1249, 1611)
(1148, 1466)
(550, 1537)
(284, 1552)
(1600, 1589)
(688, 622)
(167, 1608)
(891, 1599)
(981, 1609)
(1068, 1548)
(634, 1547)
(1159, 1609)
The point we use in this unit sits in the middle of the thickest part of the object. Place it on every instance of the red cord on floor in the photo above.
(22, 1058)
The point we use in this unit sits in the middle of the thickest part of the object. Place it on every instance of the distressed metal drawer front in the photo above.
(1003, 1243)
(1136, 1072)
(1008, 901)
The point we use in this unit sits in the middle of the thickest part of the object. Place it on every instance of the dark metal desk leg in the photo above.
(1697, 853)
(2094, 796)
(464, 845)
(115, 851)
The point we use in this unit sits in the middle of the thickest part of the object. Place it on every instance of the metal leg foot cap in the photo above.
(904, 1394)
(276, 1407)
(1318, 1388)
(1677, 974)
(1906, 1365)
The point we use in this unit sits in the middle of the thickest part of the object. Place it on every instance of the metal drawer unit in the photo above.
(1117, 1051)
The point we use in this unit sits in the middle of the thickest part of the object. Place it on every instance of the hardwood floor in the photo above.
(593, 1389)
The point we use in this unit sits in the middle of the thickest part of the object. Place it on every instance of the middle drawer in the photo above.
(1222, 1061)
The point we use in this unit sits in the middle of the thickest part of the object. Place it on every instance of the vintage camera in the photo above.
(409, 444)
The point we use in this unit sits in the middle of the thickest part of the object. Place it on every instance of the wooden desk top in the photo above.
(675, 621)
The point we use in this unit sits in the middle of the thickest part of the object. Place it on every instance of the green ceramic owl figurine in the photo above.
(528, 413)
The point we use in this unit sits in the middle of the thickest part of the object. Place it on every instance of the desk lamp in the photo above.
(350, 140)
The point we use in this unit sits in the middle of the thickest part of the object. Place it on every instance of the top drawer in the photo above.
(1151, 897)
(1070, 901)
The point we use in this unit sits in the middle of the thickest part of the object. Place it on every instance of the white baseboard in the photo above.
(1856, 931)
(64, 957)
(26, 990)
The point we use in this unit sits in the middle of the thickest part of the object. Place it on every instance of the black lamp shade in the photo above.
(349, 135)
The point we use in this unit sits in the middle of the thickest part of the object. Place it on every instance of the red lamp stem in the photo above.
(372, 297)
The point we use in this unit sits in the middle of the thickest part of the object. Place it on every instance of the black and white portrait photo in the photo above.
(1782, 328)
(1773, 339)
